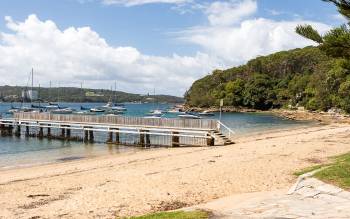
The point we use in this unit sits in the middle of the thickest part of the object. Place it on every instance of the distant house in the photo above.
(30, 94)
(93, 94)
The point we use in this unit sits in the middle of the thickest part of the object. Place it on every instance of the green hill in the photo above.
(72, 94)
(300, 77)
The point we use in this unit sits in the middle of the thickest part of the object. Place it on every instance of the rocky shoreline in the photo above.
(298, 114)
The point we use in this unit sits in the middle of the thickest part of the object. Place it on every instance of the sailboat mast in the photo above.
(32, 93)
(115, 92)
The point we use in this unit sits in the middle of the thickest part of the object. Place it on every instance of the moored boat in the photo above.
(189, 116)
(62, 111)
(206, 113)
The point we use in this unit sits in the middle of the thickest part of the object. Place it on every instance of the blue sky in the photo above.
(174, 34)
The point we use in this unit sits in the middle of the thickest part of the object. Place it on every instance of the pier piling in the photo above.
(86, 135)
(10, 130)
(148, 140)
(175, 140)
(110, 137)
(41, 132)
(210, 141)
(142, 139)
(2, 129)
(117, 140)
(27, 131)
(63, 133)
(49, 131)
(18, 131)
(91, 136)
(68, 132)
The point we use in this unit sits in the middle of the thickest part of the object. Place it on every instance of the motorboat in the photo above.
(189, 116)
(175, 110)
(114, 112)
(62, 111)
(50, 107)
(206, 113)
(157, 112)
(153, 117)
(111, 106)
(119, 108)
(84, 113)
(97, 110)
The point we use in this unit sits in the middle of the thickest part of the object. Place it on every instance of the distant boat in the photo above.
(110, 106)
(175, 110)
(84, 113)
(119, 108)
(152, 117)
(97, 110)
(37, 106)
(189, 116)
(62, 111)
(206, 113)
(85, 108)
(49, 108)
(158, 113)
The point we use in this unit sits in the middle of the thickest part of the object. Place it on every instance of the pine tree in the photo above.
(336, 42)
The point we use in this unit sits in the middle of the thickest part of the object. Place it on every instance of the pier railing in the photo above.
(205, 124)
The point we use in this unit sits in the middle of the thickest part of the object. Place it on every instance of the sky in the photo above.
(146, 44)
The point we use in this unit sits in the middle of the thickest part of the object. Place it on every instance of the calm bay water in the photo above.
(22, 151)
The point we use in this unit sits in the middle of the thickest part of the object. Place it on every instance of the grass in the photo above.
(337, 172)
(175, 215)
(309, 169)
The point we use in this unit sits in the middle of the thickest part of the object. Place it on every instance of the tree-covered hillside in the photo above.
(72, 94)
(301, 77)
(317, 78)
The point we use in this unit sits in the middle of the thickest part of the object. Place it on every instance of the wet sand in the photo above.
(146, 181)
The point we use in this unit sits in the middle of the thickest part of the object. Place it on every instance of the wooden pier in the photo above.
(144, 132)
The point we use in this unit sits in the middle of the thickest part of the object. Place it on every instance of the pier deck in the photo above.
(138, 131)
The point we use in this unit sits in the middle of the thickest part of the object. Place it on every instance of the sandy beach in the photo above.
(165, 179)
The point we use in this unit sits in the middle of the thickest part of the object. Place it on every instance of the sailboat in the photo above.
(26, 93)
(156, 113)
(56, 109)
(112, 108)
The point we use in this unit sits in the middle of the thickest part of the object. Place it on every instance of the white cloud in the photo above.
(340, 18)
(253, 37)
(230, 12)
(80, 54)
(231, 37)
(142, 2)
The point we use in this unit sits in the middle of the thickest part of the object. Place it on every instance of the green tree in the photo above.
(234, 91)
(257, 92)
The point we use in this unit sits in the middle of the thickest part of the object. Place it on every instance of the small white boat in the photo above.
(12, 111)
(114, 112)
(206, 113)
(97, 110)
(158, 113)
(62, 111)
(84, 113)
(49, 108)
(189, 116)
(152, 117)
(175, 110)
(118, 108)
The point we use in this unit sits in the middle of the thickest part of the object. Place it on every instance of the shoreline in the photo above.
(297, 115)
(293, 127)
(169, 178)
